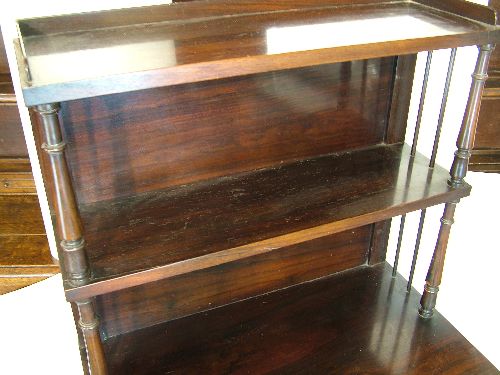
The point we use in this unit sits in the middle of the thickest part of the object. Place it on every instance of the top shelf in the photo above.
(147, 47)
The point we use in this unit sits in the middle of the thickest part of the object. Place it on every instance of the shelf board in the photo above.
(360, 321)
(187, 42)
(161, 234)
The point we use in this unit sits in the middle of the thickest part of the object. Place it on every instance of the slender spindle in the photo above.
(89, 326)
(432, 162)
(468, 130)
(444, 101)
(417, 247)
(398, 247)
(457, 175)
(413, 152)
(421, 104)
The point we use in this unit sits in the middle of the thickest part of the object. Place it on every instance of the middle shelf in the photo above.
(161, 234)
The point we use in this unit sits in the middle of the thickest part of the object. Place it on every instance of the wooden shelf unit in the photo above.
(196, 159)
(302, 330)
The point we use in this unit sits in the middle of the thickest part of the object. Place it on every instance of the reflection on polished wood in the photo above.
(173, 298)
(121, 145)
(132, 55)
(192, 227)
(359, 322)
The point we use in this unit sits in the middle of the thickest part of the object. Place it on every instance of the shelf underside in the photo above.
(161, 234)
(357, 322)
(195, 41)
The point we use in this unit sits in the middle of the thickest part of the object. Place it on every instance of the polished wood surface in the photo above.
(228, 163)
(401, 96)
(154, 303)
(225, 43)
(24, 252)
(187, 228)
(16, 177)
(126, 144)
(357, 322)
(379, 242)
(13, 277)
(20, 215)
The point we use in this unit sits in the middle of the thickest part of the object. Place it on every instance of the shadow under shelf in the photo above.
(360, 321)
(161, 234)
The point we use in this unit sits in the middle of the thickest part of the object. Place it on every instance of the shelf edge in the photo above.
(256, 248)
(219, 69)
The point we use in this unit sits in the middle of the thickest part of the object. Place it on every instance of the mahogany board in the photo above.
(120, 145)
(356, 322)
(153, 303)
(197, 41)
(151, 236)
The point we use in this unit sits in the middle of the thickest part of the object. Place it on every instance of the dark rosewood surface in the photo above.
(164, 300)
(225, 42)
(120, 145)
(197, 226)
(358, 322)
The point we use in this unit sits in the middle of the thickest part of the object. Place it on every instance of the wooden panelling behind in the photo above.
(360, 322)
(4, 65)
(12, 141)
(488, 133)
(157, 302)
(128, 143)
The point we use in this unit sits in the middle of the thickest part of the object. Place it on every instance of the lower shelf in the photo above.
(357, 322)
(162, 234)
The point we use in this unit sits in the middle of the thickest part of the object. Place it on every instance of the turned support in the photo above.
(435, 273)
(465, 140)
(69, 228)
(458, 171)
(89, 326)
(74, 262)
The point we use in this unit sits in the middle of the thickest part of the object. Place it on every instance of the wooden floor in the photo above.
(357, 322)
(24, 251)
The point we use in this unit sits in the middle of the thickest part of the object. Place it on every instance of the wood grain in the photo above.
(486, 152)
(12, 141)
(155, 303)
(198, 226)
(17, 277)
(401, 96)
(20, 215)
(379, 242)
(227, 45)
(24, 250)
(357, 322)
(131, 143)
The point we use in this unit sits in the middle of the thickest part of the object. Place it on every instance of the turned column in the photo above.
(69, 227)
(74, 262)
(458, 171)
(89, 325)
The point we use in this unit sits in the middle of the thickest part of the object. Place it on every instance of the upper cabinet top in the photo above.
(82, 55)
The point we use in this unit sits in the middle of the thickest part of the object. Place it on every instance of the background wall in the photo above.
(471, 272)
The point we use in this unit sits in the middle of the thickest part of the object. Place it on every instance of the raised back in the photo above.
(119, 145)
